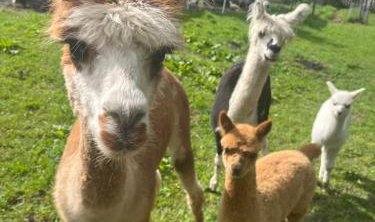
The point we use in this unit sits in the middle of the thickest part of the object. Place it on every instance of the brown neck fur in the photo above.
(240, 199)
(101, 178)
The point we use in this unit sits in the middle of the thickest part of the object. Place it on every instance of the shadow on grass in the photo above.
(339, 205)
(316, 39)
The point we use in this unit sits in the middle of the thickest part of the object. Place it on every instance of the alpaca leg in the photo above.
(183, 161)
(327, 163)
(296, 217)
(217, 170)
(330, 163)
(158, 181)
(323, 161)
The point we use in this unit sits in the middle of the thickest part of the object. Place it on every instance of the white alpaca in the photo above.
(244, 90)
(331, 126)
(267, 35)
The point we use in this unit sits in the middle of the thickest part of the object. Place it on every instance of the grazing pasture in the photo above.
(35, 116)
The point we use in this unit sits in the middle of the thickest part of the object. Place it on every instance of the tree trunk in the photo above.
(314, 5)
(364, 11)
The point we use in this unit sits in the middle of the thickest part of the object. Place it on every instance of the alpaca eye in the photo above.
(158, 57)
(261, 34)
(250, 155)
(78, 50)
(229, 151)
(347, 106)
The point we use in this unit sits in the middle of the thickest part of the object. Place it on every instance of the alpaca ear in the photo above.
(332, 88)
(296, 16)
(357, 93)
(263, 129)
(225, 123)
(257, 10)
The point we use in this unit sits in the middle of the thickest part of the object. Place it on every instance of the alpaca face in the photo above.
(118, 52)
(341, 103)
(241, 144)
(239, 156)
(341, 100)
(269, 32)
(269, 43)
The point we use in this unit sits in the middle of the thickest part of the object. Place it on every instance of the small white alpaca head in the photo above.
(341, 100)
(241, 144)
(118, 52)
(268, 33)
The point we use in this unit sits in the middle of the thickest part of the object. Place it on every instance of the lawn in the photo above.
(35, 116)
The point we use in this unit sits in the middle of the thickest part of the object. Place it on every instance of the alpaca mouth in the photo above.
(270, 59)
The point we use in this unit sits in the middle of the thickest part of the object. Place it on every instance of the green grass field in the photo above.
(35, 116)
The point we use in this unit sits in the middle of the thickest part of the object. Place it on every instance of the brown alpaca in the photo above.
(278, 186)
(129, 107)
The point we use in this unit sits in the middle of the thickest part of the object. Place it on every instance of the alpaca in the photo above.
(276, 187)
(129, 108)
(330, 127)
(245, 90)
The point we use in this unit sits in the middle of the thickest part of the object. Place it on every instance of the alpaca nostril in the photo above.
(236, 171)
(273, 47)
(123, 130)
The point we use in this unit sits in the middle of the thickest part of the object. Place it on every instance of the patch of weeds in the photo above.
(9, 46)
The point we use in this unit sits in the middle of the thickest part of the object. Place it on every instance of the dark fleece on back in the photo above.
(224, 92)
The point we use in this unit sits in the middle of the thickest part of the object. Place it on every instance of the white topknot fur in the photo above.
(298, 15)
(122, 25)
(261, 21)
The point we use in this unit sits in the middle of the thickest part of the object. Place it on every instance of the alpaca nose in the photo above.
(275, 48)
(120, 131)
(126, 120)
(236, 170)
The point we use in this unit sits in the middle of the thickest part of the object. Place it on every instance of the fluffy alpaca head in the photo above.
(241, 144)
(268, 33)
(117, 50)
(342, 100)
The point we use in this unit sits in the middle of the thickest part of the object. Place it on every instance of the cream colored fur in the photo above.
(331, 126)
(129, 110)
(245, 96)
(123, 25)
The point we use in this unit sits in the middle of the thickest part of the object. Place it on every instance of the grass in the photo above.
(35, 116)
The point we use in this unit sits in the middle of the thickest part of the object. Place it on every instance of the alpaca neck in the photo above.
(102, 179)
(240, 200)
(249, 86)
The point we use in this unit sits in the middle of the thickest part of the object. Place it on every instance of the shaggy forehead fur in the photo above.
(243, 134)
(269, 24)
(121, 24)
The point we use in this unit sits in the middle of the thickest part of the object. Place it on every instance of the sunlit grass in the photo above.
(35, 116)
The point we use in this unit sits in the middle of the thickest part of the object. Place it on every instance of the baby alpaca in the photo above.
(278, 186)
(331, 126)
